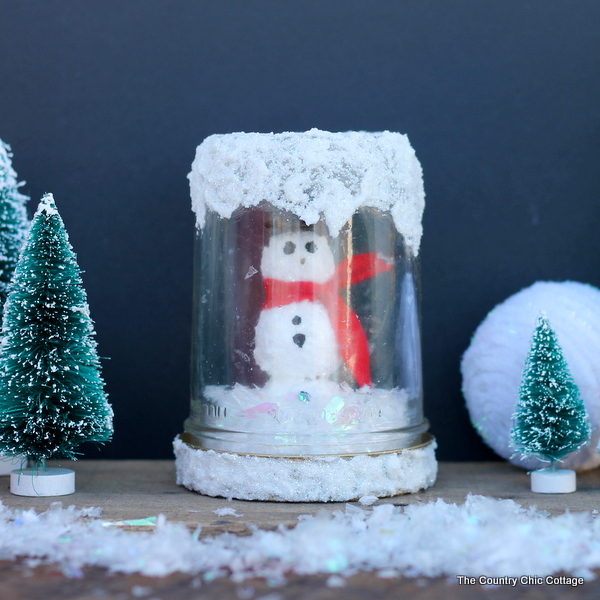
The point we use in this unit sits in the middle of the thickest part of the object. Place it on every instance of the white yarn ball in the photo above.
(492, 366)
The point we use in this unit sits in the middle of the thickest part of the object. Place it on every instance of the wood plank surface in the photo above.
(128, 490)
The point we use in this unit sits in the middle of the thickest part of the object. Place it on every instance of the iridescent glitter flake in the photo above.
(304, 397)
(333, 408)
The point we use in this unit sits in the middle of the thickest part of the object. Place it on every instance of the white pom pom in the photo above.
(493, 364)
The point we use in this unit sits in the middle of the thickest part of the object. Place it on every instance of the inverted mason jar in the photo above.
(306, 327)
(304, 344)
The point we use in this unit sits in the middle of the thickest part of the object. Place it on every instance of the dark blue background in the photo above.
(105, 102)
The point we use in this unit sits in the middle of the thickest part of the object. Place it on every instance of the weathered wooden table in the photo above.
(129, 490)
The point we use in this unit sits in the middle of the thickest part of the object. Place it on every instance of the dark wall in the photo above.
(105, 102)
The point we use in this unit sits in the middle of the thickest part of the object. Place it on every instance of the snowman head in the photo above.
(298, 256)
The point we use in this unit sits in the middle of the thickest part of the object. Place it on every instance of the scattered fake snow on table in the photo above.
(223, 512)
(313, 174)
(482, 537)
(314, 479)
(367, 500)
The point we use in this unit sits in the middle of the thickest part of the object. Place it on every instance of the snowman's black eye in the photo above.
(289, 248)
(310, 247)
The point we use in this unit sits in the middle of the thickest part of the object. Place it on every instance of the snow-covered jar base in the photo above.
(305, 479)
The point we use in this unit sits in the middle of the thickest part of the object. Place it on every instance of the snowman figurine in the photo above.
(295, 340)
(306, 331)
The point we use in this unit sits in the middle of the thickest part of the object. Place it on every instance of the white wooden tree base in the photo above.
(37, 482)
(553, 481)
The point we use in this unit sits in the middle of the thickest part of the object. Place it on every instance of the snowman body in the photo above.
(295, 341)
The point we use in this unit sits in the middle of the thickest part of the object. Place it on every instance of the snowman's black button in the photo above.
(296, 320)
(299, 339)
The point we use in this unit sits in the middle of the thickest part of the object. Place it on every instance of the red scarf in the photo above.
(350, 334)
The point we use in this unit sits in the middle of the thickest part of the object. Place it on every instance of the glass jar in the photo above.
(306, 358)
(305, 343)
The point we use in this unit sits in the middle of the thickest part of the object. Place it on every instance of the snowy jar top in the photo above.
(316, 174)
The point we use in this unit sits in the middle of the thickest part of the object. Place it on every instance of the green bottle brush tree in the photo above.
(14, 223)
(14, 226)
(550, 418)
(52, 395)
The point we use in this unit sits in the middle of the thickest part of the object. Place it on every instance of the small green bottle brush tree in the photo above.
(550, 418)
(14, 226)
(52, 395)
(14, 223)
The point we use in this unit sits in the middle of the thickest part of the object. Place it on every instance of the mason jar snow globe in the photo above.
(306, 356)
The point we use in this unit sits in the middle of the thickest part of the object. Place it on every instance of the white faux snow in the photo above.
(315, 174)
(335, 581)
(224, 512)
(47, 206)
(367, 500)
(492, 367)
(324, 410)
(484, 536)
(326, 406)
(312, 479)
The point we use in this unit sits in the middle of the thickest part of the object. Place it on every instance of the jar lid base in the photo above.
(312, 479)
